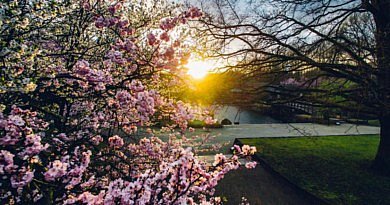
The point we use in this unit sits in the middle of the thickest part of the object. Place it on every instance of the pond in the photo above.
(242, 115)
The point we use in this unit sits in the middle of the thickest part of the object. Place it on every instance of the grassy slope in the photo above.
(334, 168)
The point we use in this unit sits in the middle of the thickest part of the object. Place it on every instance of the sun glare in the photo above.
(199, 69)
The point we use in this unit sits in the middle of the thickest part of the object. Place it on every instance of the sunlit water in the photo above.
(243, 116)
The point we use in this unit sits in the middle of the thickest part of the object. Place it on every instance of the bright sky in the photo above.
(200, 68)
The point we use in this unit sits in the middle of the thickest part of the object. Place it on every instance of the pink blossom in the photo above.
(89, 183)
(194, 13)
(167, 24)
(116, 57)
(6, 162)
(169, 53)
(58, 169)
(114, 8)
(130, 46)
(16, 120)
(82, 67)
(209, 120)
(250, 165)
(96, 140)
(86, 158)
(63, 137)
(100, 22)
(248, 150)
(237, 148)
(123, 23)
(21, 180)
(219, 158)
(115, 141)
(112, 21)
(176, 43)
(164, 36)
(90, 199)
(152, 40)
(86, 4)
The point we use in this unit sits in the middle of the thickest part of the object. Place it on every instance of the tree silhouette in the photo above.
(338, 52)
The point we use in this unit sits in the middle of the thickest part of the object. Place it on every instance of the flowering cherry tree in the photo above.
(78, 79)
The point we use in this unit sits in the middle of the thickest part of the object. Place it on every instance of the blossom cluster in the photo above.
(156, 171)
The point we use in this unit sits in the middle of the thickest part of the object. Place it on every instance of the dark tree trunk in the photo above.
(382, 19)
(382, 159)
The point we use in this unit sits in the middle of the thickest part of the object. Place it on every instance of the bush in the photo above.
(202, 124)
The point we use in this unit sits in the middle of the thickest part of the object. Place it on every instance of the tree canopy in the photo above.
(78, 80)
(310, 51)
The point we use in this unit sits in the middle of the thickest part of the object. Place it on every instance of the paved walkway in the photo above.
(292, 129)
(227, 134)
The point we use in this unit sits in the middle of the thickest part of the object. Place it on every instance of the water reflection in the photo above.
(242, 115)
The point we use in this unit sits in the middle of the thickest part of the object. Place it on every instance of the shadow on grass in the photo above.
(335, 168)
(259, 187)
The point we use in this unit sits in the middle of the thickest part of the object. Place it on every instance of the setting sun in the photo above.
(199, 69)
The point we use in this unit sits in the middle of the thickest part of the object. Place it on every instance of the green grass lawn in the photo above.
(333, 168)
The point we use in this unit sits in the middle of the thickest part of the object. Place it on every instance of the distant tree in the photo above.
(215, 88)
(344, 44)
